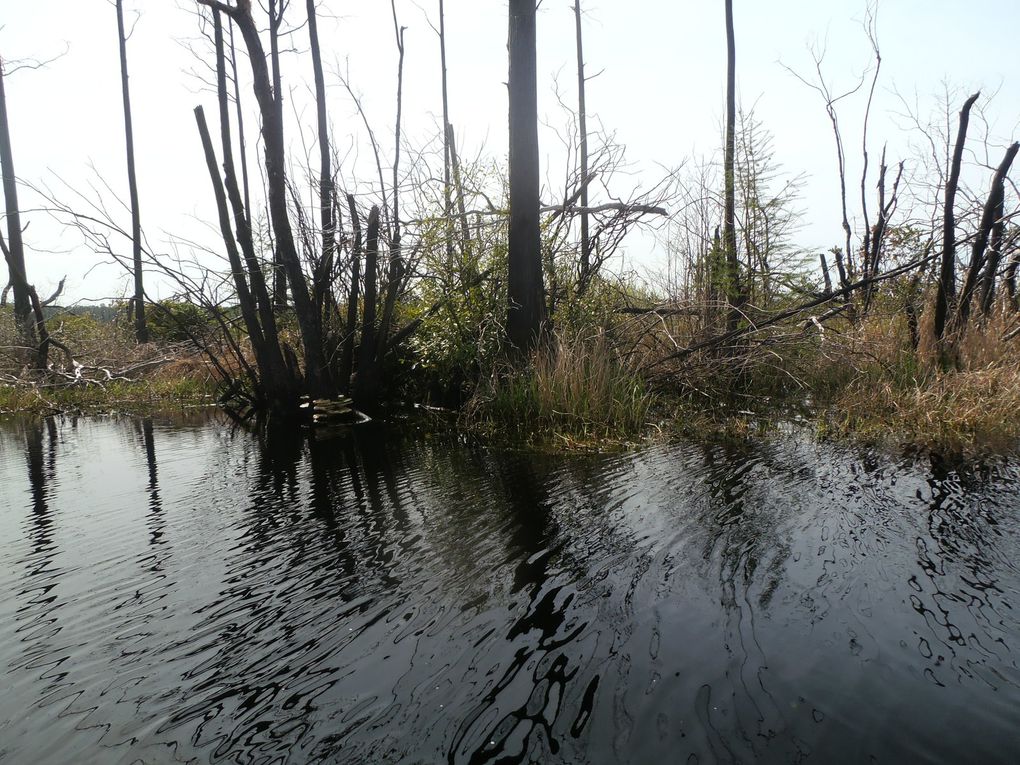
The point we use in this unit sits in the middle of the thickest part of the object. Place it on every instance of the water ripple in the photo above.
(187, 592)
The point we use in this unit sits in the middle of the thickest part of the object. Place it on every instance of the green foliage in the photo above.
(444, 358)
(171, 321)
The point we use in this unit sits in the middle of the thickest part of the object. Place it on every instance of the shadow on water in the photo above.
(189, 592)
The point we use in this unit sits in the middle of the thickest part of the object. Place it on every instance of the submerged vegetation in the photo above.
(470, 293)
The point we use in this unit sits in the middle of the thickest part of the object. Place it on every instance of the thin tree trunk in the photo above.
(825, 273)
(447, 158)
(240, 127)
(395, 272)
(989, 216)
(367, 379)
(316, 370)
(945, 296)
(244, 298)
(275, 367)
(351, 328)
(242, 213)
(275, 19)
(320, 288)
(582, 124)
(16, 246)
(526, 312)
(734, 293)
(994, 258)
(141, 331)
(458, 183)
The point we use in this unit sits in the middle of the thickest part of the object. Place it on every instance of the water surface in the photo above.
(178, 591)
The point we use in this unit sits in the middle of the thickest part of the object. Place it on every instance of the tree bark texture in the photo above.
(526, 312)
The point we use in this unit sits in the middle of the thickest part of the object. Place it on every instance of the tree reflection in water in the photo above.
(186, 591)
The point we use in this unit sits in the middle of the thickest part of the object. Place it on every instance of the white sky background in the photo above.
(662, 92)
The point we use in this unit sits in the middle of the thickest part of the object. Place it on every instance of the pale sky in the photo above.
(661, 89)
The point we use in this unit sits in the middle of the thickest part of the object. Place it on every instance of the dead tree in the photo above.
(351, 329)
(366, 380)
(15, 254)
(526, 292)
(138, 302)
(945, 296)
(582, 126)
(447, 138)
(990, 215)
(239, 205)
(995, 251)
(240, 124)
(317, 374)
(734, 293)
(326, 194)
(276, 11)
(274, 384)
(395, 276)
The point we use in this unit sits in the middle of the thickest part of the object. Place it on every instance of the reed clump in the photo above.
(576, 389)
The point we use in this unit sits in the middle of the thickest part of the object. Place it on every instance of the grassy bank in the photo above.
(164, 393)
(604, 381)
(110, 371)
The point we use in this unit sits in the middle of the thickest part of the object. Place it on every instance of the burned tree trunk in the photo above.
(320, 287)
(351, 325)
(275, 19)
(16, 247)
(526, 312)
(734, 293)
(317, 375)
(447, 147)
(351, 328)
(990, 215)
(582, 125)
(994, 258)
(945, 297)
(242, 212)
(141, 331)
(366, 383)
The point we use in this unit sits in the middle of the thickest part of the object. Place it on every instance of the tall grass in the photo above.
(910, 397)
(576, 388)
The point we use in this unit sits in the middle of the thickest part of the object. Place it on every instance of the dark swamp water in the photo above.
(184, 592)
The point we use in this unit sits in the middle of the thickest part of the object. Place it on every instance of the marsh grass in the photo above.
(577, 391)
(914, 398)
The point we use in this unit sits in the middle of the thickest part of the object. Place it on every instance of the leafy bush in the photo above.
(171, 321)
